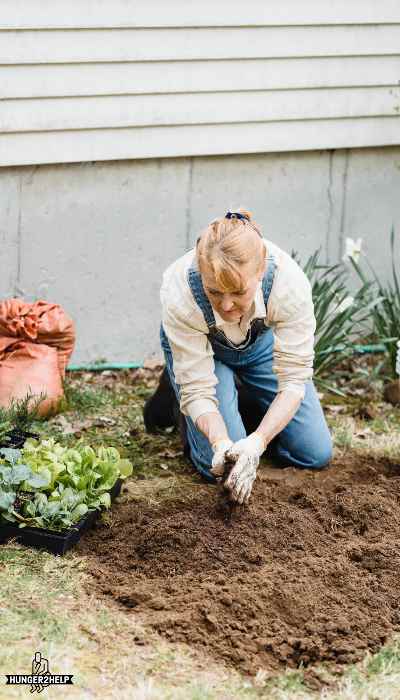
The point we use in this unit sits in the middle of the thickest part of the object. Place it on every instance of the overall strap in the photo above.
(197, 289)
(268, 279)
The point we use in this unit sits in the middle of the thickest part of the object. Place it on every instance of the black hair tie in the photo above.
(236, 215)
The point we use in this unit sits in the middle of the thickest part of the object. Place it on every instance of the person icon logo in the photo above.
(40, 667)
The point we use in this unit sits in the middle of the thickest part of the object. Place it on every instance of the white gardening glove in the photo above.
(220, 448)
(246, 454)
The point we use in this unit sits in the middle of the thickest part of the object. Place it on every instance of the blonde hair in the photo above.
(226, 245)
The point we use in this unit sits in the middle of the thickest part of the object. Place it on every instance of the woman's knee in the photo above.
(320, 456)
(309, 455)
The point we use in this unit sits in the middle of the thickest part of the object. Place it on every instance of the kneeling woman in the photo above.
(239, 305)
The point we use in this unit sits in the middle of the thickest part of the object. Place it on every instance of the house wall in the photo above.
(95, 237)
(126, 126)
(85, 80)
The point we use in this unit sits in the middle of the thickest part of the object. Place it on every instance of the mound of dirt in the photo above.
(308, 573)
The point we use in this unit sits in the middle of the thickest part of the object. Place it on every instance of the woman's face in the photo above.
(231, 306)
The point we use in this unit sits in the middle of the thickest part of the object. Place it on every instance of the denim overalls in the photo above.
(306, 441)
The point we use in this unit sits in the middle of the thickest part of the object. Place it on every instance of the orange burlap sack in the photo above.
(36, 342)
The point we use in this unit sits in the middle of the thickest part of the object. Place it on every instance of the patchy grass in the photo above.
(343, 434)
(44, 603)
(86, 400)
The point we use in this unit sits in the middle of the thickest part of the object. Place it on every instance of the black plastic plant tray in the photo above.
(55, 542)
(17, 438)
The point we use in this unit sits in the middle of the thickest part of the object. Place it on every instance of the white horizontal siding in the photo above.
(18, 14)
(196, 76)
(91, 79)
(84, 46)
(203, 108)
(170, 141)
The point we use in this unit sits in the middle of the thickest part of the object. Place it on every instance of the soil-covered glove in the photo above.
(246, 455)
(220, 448)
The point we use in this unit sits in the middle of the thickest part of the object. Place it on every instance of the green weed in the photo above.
(343, 435)
(85, 400)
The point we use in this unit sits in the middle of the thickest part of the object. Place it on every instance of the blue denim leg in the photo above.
(201, 453)
(306, 441)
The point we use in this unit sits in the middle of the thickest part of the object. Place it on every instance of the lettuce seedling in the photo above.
(59, 484)
(12, 475)
(54, 513)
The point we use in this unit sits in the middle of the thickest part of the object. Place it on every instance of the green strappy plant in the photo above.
(385, 316)
(341, 316)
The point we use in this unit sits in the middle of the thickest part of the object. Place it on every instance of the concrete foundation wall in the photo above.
(95, 237)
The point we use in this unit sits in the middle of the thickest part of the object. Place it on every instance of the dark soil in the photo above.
(392, 393)
(308, 573)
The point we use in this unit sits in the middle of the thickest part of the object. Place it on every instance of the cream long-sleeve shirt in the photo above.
(290, 314)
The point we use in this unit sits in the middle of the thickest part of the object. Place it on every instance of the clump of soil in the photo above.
(392, 392)
(226, 506)
(309, 572)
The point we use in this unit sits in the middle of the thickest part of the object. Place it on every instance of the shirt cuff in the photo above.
(298, 388)
(197, 408)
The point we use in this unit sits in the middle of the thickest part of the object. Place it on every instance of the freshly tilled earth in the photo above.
(308, 573)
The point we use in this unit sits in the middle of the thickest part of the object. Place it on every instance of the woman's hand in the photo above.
(220, 448)
(212, 425)
(246, 454)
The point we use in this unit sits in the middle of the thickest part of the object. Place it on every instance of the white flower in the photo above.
(352, 250)
(398, 358)
(345, 304)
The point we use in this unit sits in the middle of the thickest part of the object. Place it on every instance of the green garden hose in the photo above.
(101, 366)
